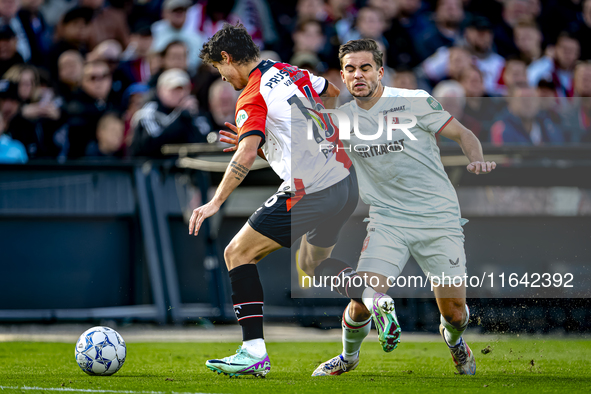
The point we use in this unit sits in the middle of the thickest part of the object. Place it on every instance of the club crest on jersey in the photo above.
(241, 117)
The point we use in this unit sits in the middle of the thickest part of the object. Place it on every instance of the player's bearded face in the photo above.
(360, 74)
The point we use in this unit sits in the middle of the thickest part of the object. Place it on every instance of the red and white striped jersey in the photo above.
(277, 104)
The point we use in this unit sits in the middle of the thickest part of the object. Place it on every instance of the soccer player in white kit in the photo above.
(414, 209)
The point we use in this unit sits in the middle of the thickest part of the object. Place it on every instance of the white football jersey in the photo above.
(403, 179)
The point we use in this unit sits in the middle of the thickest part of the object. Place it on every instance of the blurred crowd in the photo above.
(121, 78)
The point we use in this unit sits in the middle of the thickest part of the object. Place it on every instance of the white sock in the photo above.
(367, 298)
(452, 334)
(256, 347)
(353, 335)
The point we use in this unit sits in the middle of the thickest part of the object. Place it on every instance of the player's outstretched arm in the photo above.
(235, 173)
(470, 146)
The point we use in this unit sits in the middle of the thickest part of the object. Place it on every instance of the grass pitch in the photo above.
(512, 365)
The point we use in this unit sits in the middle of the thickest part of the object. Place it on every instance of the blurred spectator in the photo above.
(109, 138)
(404, 79)
(109, 51)
(311, 9)
(523, 122)
(576, 118)
(447, 63)
(71, 34)
(411, 16)
(514, 73)
(39, 116)
(170, 28)
(444, 31)
(8, 53)
(135, 63)
(308, 38)
(222, 104)
(528, 41)
(370, 23)
(514, 12)
(21, 120)
(173, 56)
(11, 151)
(107, 23)
(168, 118)
(558, 68)
(87, 106)
(27, 79)
(69, 65)
(342, 13)
(480, 109)
(399, 49)
(133, 100)
(8, 16)
(37, 31)
(551, 104)
(478, 38)
(140, 42)
(583, 29)
(452, 97)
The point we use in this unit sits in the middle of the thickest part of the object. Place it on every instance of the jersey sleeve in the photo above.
(319, 84)
(430, 114)
(251, 117)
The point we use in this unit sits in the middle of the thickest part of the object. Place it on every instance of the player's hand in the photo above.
(481, 167)
(230, 137)
(200, 214)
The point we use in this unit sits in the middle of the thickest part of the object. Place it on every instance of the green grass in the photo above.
(558, 366)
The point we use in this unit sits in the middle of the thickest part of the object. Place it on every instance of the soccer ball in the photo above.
(100, 351)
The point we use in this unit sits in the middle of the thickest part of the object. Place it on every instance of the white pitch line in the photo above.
(93, 391)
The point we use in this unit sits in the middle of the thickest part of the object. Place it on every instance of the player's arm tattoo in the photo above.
(238, 170)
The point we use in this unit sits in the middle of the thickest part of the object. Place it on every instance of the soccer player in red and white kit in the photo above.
(319, 190)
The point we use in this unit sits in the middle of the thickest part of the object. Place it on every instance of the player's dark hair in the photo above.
(362, 45)
(233, 39)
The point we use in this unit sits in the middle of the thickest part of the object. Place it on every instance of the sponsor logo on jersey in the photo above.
(434, 104)
(454, 263)
(241, 117)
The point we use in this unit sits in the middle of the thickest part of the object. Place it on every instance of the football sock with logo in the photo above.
(348, 279)
(247, 297)
(452, 334)
(353, 335)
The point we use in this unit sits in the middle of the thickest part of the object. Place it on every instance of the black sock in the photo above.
(333, 268)
(247, 296)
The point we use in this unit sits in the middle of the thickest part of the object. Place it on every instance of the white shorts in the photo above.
(438, 251)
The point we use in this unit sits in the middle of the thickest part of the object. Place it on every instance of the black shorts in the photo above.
(320, 215)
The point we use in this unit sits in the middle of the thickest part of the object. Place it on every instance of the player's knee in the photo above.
(358, 311)
(455, 316)
(231, 255)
